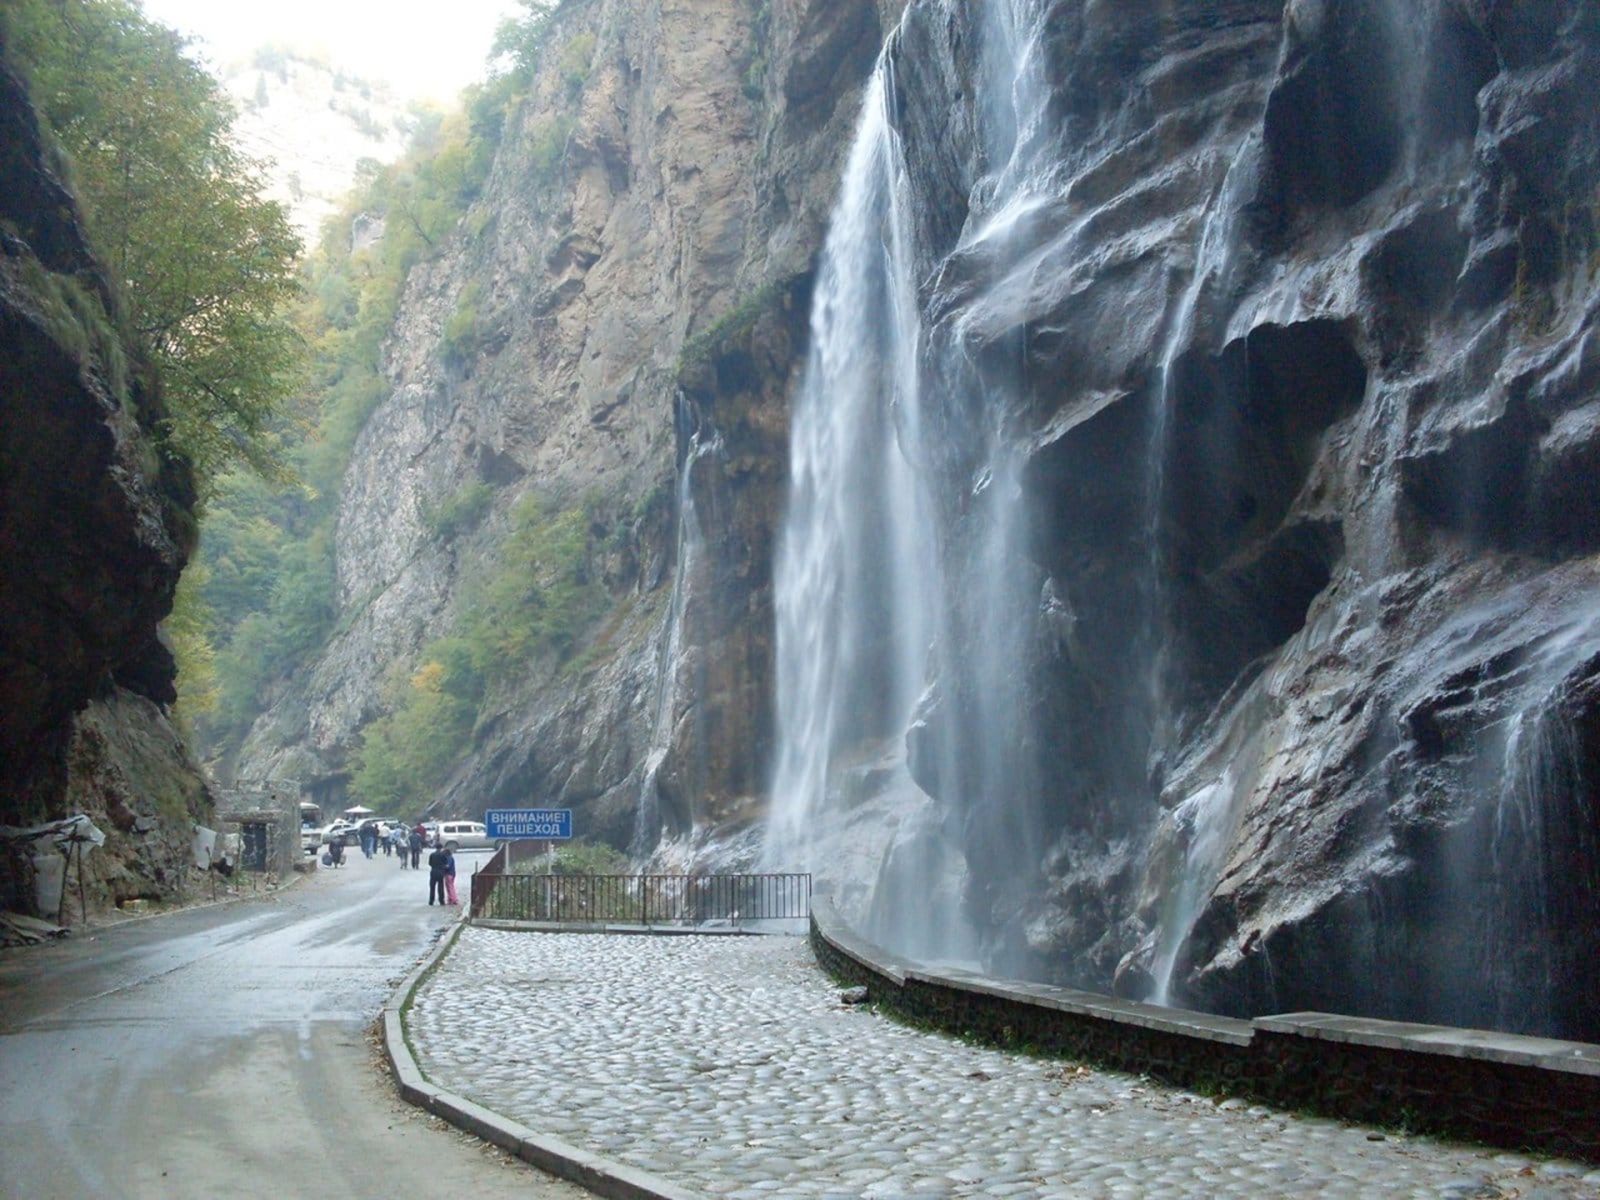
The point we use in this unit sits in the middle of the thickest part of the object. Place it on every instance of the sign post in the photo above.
(523, 824)
(548, 825)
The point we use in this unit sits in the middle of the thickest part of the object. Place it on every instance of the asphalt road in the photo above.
(225, 1051)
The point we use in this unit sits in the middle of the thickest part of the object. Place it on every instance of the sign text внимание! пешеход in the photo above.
(511, 823)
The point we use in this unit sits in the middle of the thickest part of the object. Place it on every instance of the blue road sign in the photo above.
(548, 824)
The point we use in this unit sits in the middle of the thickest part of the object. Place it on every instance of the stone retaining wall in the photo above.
(1505, 1089)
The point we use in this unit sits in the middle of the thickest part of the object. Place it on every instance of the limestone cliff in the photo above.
(94, 529)
(653, 211)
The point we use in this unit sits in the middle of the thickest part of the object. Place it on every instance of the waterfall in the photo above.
(855, 562)
(1208, 819)
(1535, 824)
(1069, 479)
(897, 613)
(648, 829)
(870, 592)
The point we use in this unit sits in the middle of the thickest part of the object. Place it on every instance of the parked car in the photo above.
(341, 831)
(464, 835)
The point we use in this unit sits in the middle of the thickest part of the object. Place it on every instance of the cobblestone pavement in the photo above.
(728, 1065)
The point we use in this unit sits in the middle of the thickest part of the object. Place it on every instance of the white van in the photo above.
(465, 835)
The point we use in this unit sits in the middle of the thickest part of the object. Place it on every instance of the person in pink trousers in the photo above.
(450, 874)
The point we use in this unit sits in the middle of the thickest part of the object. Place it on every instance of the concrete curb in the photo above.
(1501, 1089)
(602, 1176)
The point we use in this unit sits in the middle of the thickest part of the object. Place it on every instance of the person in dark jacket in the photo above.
(437, 862)
(450, 873)
(416, 847)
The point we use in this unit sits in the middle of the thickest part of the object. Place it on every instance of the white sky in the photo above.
(423, 48)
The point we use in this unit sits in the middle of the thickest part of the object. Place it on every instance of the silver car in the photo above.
(464, 835)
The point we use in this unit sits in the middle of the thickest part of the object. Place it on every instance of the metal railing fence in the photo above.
(641, 899)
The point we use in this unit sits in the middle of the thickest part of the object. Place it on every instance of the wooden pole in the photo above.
(61, 901)
(83, 902)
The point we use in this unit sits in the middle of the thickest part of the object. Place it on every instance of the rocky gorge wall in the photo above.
(636, 271)
(95, 528)
(1273, 327)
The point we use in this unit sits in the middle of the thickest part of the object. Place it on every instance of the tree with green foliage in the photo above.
(529, 609)
(519, 39)
(188, 628)
(270, 551)
(539, 598)
(407, 754)
(513, 64)
(206, 263)
(583, 857)
(270, 548)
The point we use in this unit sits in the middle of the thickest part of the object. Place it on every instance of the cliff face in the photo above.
(1281, 319)
(94, 530)
(667, 186)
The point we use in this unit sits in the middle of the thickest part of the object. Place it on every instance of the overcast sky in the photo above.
(422, 49)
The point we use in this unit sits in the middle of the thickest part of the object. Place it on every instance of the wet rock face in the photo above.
(94, 530)
(721, 744)
(1299, 344)
(88, 530)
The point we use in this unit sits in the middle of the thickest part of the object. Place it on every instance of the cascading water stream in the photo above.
(866, 581)
(1540, 806)
(1208, 817)
(865, 589)
(921, 601)
(1203, 819)
(1212, 273)
(647, 832)
(856, 559)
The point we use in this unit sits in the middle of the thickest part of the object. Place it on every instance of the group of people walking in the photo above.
(407, 845)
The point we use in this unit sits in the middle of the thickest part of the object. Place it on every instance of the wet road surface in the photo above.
(224, 1051)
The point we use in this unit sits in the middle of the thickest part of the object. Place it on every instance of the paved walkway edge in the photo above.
(514, 926)
(602, 1176)
(1523, 1093)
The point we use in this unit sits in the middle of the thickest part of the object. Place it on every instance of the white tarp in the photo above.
(63, 834)
(48, 846)
(49, 879)
(204, 847)
(212, 849)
